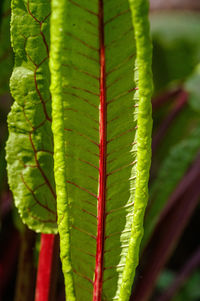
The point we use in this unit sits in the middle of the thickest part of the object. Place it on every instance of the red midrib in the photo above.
(102, 165)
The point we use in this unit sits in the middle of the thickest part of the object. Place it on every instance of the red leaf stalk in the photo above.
(46, 275)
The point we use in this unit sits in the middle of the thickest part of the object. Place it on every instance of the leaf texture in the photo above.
(102, 141)
(30, 144)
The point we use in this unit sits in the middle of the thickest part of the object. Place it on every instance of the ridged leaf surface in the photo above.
(100, 59)
(96, 130)
(30, 144)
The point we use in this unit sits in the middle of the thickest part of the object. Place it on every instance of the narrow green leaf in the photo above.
(102, 143)
(30, 144)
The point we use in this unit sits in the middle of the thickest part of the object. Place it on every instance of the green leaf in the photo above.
(170, 173)
(6, 59)
(102, 157)
(100, 55)
(30, 144)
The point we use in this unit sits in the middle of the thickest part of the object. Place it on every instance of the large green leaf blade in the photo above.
(30, 144)
(80, 32)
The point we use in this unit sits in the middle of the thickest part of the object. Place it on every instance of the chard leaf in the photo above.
(102, 128)
(5, 48)
(30, 144)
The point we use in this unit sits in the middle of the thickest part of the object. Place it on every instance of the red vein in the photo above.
(83, 276)
(85, 9)
(81, 71)
(83, 231)
(39, 219)
(82, 251)
(122, 167)
(79, 97)
(122, 134)
(39, 167)
(82, 135)
(121, 95)
(81, 41)
(120, 65)
(88, 212)
(97, 292)
(124, 34)
(116, 16)
(84, 114)
(82, 188)
(40, 95)
(83, 54)
(85, 90)
(37, 201)
(37, 66)
(85, 211)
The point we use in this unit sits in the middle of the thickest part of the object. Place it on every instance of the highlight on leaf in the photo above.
(102, 141)
(94, 138)
(30, 144)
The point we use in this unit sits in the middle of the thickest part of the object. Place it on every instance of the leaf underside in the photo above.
(102, 152)
(30, 144)
(95, 85)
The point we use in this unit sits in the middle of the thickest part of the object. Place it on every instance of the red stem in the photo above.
(102, 165)
(45, 287)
